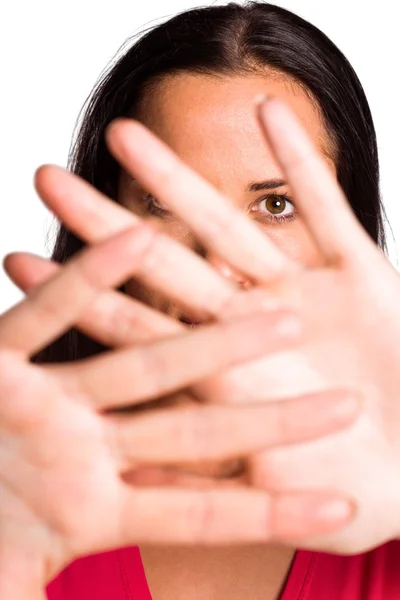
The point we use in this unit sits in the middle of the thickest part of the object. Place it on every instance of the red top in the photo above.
(119, 575)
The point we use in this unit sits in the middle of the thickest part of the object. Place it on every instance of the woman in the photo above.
(192, 81)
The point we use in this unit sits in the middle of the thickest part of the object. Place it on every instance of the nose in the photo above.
(227, 271)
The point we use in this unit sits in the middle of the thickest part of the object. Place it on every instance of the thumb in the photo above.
(28, 270)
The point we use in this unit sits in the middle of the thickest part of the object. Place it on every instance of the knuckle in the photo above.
(189, 432)
(115, 435)
(200, 517)
(306, 160)
(167, 174)
(221, 219)
(82, 269)
(156, 254)
(154, 367)
(159, 259)
(197, 434)
(286, 422)
(115, 322)
(46, 307)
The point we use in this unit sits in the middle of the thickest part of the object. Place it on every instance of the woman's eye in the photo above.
(276, 207)
(154, 206)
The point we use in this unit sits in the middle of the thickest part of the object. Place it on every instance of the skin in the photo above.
(209, 123)
(352, 344)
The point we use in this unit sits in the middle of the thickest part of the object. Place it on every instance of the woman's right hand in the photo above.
(64, 446)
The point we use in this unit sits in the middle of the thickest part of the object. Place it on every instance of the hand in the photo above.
(64, 448)
(351, 343)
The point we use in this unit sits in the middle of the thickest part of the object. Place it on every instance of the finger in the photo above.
(168, 266)
(28, 270)
(219, 225)
(164, 366)
(227, 516)
(54, 306)
(114, 319)
(216, 433)
(318, 194)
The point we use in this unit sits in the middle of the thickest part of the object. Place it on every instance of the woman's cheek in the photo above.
(180, 232)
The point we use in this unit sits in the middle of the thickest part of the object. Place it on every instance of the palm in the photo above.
(352, 333)
(65, 452)
(350, 315)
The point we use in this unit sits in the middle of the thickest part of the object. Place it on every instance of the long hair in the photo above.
(227, 40)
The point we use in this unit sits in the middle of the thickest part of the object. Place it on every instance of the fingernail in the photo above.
(347, 405)
(334, 511)
(260, 99)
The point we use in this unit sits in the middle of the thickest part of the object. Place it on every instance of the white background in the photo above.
(53, 52)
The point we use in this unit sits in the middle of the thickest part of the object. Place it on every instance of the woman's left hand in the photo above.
(350, 310)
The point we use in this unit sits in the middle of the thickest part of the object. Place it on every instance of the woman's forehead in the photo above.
(210, 123)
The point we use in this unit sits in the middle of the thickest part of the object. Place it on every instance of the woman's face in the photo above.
(210, 124)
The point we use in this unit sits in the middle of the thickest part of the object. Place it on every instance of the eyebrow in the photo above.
(255, 186)
(269, 184)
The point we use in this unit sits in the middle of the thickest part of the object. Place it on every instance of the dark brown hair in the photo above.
(227, 40)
